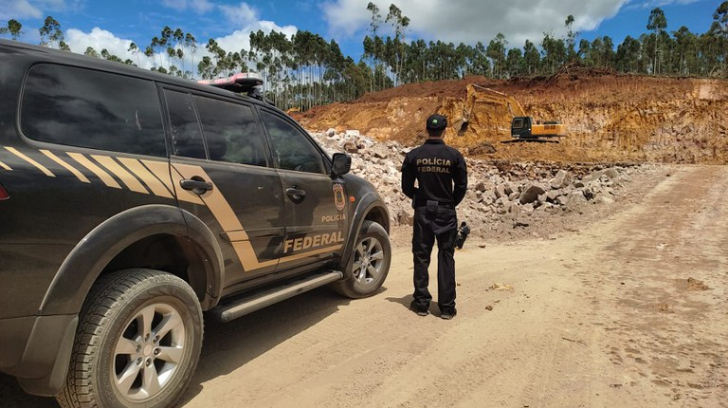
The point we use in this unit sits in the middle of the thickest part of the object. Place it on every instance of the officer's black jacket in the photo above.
(436, 167)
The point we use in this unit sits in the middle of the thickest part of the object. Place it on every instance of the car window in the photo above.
(292, 148)
(231, 132)
(186, 135)
(94, 109)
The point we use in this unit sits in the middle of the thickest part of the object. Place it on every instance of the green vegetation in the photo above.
(307, 70)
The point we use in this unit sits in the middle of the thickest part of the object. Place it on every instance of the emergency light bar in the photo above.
(244, 82)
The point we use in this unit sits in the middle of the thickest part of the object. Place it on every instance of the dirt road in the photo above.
(629, 312)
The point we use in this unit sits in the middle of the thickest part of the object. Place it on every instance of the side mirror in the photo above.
(341, 165)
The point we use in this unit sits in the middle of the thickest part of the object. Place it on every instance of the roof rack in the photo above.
(244, 82)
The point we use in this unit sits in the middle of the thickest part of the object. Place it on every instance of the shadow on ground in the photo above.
(12, 396)
(227, 346)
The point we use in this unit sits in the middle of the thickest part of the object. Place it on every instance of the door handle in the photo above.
(196, 184)
(296, 194)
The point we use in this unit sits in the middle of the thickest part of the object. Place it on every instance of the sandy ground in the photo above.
(629, 312)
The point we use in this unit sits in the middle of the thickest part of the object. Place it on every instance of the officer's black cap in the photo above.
(436, 122)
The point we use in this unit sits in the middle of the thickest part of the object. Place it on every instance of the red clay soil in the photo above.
(610, 118)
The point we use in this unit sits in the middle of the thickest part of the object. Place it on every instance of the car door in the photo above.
(315, 205)
(224, 176)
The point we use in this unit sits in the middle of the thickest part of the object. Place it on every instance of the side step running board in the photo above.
(260, 300)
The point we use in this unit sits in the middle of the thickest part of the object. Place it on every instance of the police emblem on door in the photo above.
(339, 198)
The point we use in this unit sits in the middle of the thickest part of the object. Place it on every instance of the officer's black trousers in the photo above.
(428, 227)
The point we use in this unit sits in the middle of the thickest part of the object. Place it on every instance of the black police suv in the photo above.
(133, 203)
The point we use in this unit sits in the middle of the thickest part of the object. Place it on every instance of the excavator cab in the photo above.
(521, 127)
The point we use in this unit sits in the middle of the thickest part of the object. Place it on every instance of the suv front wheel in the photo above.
(137, 344)
(369, 264)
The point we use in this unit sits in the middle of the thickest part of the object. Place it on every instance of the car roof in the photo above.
(38, 54)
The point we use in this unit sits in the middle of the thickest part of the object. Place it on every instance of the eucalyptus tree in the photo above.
(374, 48)
(479, 63)
(13, 28)
(496, 51)
(515, 64)
(206, 68)
(711, 48)
(190, 42)
(399, 23)
(154, 48)
(583, 52)
(720, 18)
(134, 50)
(554, 53)
(657, 22)
(570, 39)
(628, 56)
(531, 58)
(608, 51)
(91, 52)
(177, 49)
(51, 32)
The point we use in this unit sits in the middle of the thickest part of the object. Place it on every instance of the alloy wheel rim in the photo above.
(149, 352)
(368, 260)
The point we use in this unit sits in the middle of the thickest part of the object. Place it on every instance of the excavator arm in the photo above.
(480, 94)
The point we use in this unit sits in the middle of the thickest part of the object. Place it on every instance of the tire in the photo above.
(369, 264)
(137, 344)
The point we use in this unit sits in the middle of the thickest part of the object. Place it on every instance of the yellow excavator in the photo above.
(292, 110)
(522, 125)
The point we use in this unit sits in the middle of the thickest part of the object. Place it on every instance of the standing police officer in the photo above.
(442, 179)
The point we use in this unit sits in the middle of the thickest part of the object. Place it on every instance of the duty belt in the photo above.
(450, 206)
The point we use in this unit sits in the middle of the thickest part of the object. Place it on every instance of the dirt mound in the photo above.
(609, 118)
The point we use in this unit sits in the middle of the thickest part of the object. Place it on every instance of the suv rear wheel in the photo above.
(369, 264)
(137, 344)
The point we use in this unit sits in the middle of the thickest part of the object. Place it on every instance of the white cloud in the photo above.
(470, 21)
(650, 4)
(101, 39)
(242, 15)
(18, 9)
(240, 39)
(200, 6)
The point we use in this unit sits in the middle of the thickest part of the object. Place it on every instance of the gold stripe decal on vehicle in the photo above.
(309, 253)
(126, 177)
(146, 176)
(182, 194)
(225, 216)
(65, 165)
(214, 199)
(104, 176)
(161, 171)
(31, 161)
(228, 220)
(248, 259)
(5, 166)
(237, 235)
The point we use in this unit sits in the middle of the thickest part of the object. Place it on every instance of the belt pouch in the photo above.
(432, 206)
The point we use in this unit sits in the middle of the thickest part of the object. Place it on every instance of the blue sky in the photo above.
(113, 24)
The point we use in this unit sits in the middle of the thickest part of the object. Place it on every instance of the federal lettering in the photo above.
(298, 244)
(314, 241)
(433, 169)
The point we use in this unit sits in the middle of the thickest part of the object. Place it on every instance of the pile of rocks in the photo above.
(500, 195)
